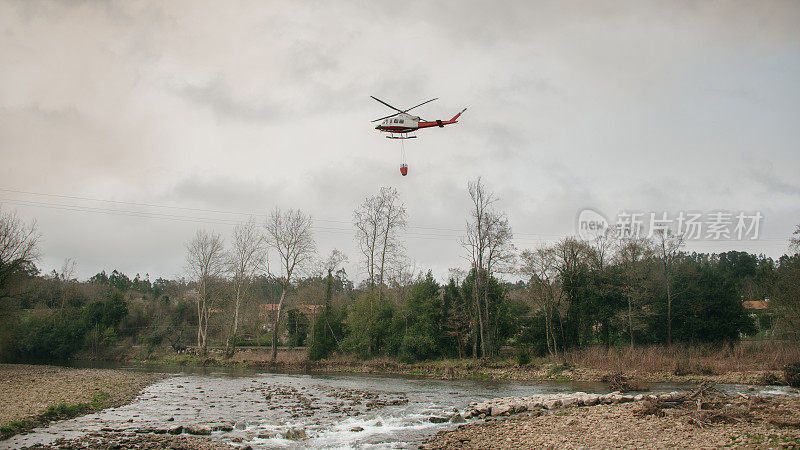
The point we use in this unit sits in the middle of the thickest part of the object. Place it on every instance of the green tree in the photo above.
(706, 305)
(424, 321)
(457, 327)
(786, 299)
(297, 328)
(327, 328)
(369, 326)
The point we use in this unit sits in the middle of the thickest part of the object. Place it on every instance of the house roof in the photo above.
(756, 304)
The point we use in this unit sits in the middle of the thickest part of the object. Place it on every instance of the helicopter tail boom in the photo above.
(457, 115)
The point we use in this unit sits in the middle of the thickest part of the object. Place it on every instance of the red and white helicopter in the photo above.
(400, 124)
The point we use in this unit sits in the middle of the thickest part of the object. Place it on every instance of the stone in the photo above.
(456, 418)
(176, 430)
(591, 399)
(295, 434)
(437, 419)
(356, 429)
(535, 404)
(625, 398)
(551, 404)
(198, 430)
(240, 425)
(568, 401)
(503, 408)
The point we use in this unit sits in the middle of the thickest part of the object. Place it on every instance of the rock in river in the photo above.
(198, 430)
(295, 434)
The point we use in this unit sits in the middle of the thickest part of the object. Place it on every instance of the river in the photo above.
(333, 411)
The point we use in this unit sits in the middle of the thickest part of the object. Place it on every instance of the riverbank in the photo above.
(741, 421)
(33, 395)
(755, 363)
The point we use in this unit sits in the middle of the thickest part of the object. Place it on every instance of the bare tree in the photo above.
(67, 275)
(488, 243)
(539, 266)
(500, 257)
(632, 254)
(378, 221)
(335, 259)
(19, 249)
(205, 260)
(68, 269)
(794, 241)
(476, 242)
(246, 259)
(291, 236)
(668, 245)
(602, 244)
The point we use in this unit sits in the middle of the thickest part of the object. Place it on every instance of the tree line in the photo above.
(269, 287)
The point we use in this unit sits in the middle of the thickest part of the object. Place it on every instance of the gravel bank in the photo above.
(757, 423)
(127, 441)
(27, 390)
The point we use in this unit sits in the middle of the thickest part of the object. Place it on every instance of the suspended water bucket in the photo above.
(403, 169)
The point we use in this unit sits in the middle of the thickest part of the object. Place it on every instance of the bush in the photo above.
(55, 336)
(417, 347)
(770, 379)
(792, 374)
(523, 357)
(685, 367)
(323, 339)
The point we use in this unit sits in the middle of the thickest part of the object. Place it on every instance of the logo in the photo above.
(591, 224)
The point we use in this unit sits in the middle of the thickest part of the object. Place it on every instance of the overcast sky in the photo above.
(211, 109)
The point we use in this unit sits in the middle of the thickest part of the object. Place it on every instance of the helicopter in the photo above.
(400, 124)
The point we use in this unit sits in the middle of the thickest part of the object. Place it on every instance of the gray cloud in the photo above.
(622, 105)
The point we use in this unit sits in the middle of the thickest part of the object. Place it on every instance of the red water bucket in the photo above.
(403, 169)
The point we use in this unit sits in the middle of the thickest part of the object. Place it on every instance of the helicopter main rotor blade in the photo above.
(409, 109)
(390, 106)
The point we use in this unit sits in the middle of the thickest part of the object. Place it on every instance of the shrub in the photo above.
(323, 339)
(523, 357)
(417, 347)
(792, 374)
(770, 379)
(49, 337)
(682, 368)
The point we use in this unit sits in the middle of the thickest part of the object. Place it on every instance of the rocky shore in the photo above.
(513, 405)
(31, 395)
(618, 421)
(470, 369)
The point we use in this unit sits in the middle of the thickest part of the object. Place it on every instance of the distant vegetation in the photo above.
(573, 294)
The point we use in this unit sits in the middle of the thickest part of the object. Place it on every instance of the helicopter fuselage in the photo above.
(406, 123)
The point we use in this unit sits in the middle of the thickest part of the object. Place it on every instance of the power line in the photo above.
(231, 221)
(218, 211)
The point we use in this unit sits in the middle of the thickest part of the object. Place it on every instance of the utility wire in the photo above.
(218, 211)
(447, 235)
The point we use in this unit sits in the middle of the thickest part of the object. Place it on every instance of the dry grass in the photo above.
(746, 356)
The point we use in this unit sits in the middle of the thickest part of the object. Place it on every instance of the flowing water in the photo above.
(385, 412)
